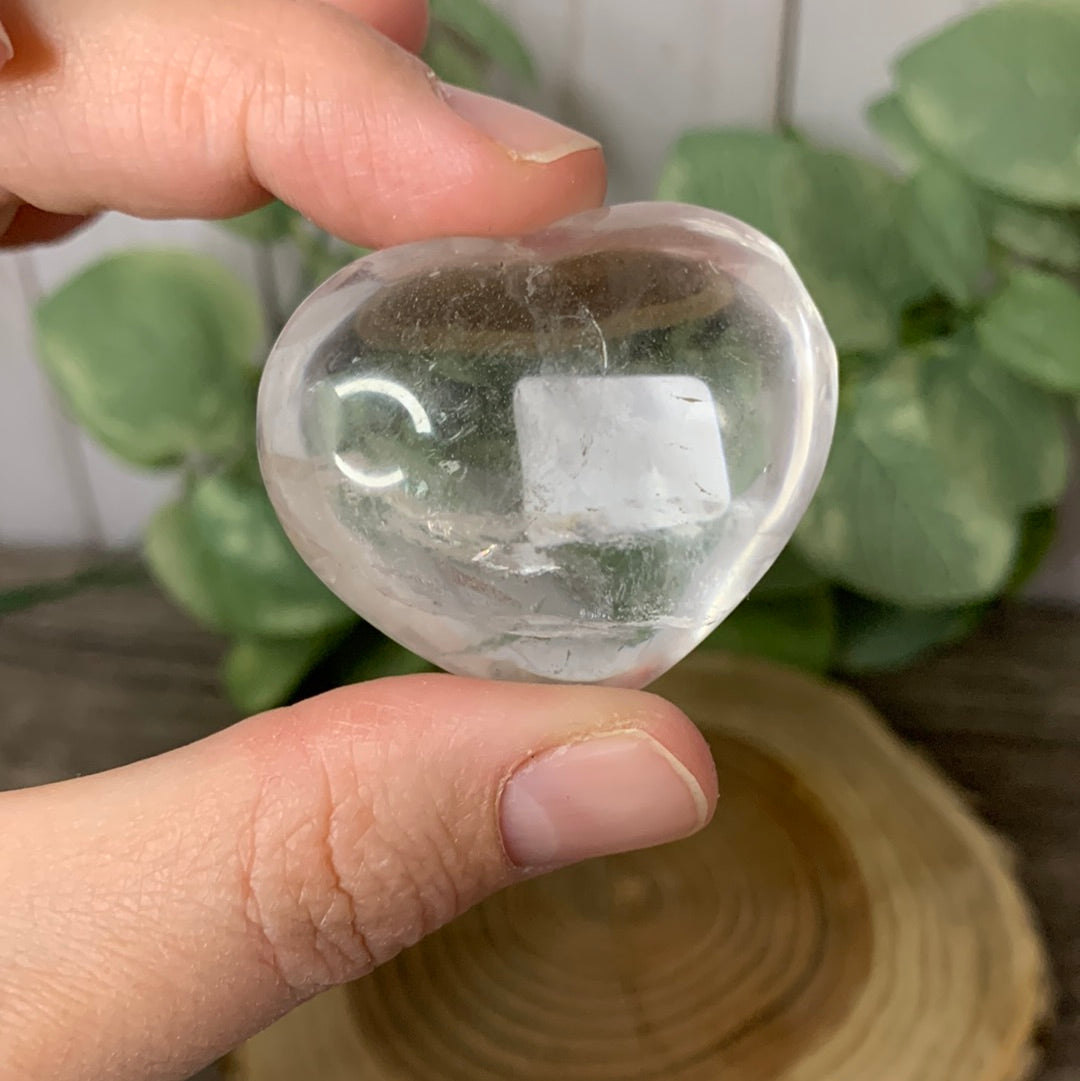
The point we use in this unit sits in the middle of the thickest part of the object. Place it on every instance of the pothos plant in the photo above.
(951, 287)
(951, 290)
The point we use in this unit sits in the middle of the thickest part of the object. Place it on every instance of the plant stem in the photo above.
(313, 245)
(107, 576)
(268, 287)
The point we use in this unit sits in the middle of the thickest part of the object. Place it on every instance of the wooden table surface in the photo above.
(112, 675)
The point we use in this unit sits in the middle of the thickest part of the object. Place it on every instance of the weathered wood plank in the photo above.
(1001, 715)
(100, 679)
(1017, 682)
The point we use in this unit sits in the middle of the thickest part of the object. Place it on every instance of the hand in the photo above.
(200, 108)
(154, 916)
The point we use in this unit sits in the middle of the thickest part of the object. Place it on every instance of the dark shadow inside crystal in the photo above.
(500, 305)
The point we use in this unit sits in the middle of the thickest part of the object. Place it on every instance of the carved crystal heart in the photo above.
(563, 458)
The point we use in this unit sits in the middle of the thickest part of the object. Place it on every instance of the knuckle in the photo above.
(201, 93)
(294, 900)
(340, 872)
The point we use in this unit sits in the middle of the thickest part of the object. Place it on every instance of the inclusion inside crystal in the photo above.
(561, 458)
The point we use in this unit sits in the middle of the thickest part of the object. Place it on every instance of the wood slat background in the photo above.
(633, 72)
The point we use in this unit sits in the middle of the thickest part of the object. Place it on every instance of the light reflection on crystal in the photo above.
(352, 388)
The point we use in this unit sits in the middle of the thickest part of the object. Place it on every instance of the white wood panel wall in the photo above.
(842, 55)
(633, 72)
(39, 460)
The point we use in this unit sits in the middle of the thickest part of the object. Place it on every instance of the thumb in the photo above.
(158, 914)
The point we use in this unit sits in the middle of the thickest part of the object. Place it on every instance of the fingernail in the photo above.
(525, 135)
(608, 794)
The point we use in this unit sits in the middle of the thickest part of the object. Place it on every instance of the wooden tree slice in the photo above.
(844, 918)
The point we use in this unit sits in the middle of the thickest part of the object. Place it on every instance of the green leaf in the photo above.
(173, 550)
(998, 94)
(877, 637)
(321, 256)
(363, 653)
(336, 257)
(1038, 530)
(1033, 327)
(889, 121)
(789, 574)
(837, 217)
(151, 351)
(454, 61)
(267, 225)
(488, 32)
(260, 673)
(844, 233)
(925, 324)
(896, 519)
(798, 630)
(931, 319)
(221, 554)
(946, 231)
(384, 657)
(742, 173)
(1005, 436)
(1041, 236)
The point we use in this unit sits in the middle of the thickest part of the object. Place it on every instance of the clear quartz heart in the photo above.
(561, 458)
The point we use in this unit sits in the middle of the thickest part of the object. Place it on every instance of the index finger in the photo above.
(202, 109)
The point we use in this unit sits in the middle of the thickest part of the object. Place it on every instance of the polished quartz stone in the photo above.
(561, 458)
